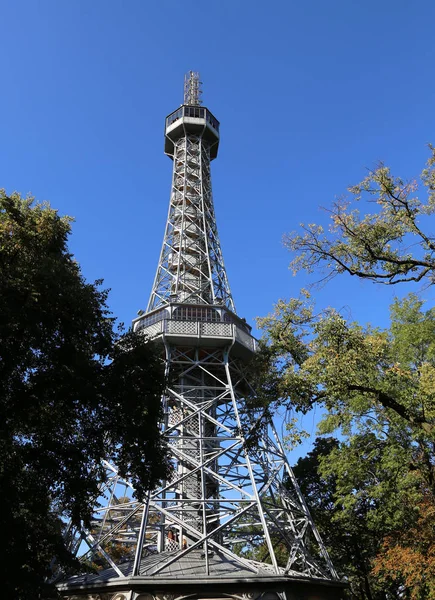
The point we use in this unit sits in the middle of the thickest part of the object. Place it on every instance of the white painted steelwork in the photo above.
(192, 89)
(224, 498)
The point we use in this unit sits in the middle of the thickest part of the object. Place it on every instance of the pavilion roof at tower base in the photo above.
(186, 577)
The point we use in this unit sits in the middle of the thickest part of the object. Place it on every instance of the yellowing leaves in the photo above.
(410, 556)
(396, 370)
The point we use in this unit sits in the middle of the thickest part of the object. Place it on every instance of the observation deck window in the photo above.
(195, 313)
(241, 323)
(194, 111)
(154, 318)
(174, 116)
(213, 122)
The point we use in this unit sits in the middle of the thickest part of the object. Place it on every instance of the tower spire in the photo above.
(192, 89)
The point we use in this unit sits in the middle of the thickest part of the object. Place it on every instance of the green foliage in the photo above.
(376, 389)
(356, 372)
(375, 246)
(72, 391)
(351, 538)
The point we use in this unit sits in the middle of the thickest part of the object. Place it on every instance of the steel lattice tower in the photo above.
(229, 515)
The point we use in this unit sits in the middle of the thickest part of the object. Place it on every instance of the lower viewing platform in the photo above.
(198, 325)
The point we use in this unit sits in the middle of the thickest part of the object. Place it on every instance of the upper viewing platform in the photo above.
(192, 118)
(195, 120)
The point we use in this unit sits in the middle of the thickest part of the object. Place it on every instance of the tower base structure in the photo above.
(186, 581)
(215, 529)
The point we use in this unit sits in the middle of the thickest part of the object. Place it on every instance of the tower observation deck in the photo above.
(231, 521)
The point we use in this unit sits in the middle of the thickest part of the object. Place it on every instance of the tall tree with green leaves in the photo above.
(352, 542)
(73, 390)
(376, 387)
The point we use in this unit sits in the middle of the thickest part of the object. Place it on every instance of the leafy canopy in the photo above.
(376, 246)
(72, 391)
(351, 540)
(375, 386)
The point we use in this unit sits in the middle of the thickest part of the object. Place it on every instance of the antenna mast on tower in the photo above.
(192, 89)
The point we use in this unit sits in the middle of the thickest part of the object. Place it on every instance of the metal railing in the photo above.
(200, 329)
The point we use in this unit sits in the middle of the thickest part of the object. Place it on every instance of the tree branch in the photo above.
(388, 401)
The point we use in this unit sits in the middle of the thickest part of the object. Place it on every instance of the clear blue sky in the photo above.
(309, 94)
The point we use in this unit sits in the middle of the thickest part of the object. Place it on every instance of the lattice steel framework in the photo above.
(191, 267)
(231, 503)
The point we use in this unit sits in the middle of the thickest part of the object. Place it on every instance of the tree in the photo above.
(376, 387)
(72, 391)
(409, 555)
(375, 246)
(347, 532)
